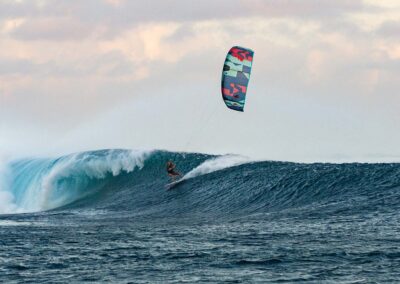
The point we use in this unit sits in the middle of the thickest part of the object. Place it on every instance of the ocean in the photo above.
(106, 216)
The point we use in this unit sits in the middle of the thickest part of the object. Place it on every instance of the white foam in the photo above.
(91, 166)
(83, 166)
(15, 223)
(6, 198)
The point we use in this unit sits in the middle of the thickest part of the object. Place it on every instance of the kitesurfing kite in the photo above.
(235, 77)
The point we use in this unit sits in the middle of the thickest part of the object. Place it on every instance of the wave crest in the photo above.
(43, 184)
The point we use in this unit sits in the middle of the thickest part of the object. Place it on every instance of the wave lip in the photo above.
(43, 184)
(132, 183)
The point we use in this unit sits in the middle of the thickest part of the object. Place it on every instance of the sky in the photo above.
(86, 75)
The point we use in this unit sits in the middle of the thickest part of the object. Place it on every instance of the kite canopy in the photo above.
(235, 77)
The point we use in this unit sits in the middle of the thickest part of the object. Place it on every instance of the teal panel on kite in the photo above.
(235, 77)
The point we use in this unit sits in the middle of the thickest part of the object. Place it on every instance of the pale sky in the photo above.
(86, 75)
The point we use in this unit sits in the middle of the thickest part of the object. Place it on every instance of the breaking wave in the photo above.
(133, 183)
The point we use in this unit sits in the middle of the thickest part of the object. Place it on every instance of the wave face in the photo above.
(43, 184)
(133, 183)
(106, 216)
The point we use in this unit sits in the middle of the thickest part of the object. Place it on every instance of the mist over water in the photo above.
(6, 197)
(263, 132)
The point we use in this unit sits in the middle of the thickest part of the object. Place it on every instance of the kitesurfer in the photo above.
(171, 170)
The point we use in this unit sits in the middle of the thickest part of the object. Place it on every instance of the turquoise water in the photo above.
(105, 216)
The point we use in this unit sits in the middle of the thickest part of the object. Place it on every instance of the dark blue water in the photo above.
(106, 217)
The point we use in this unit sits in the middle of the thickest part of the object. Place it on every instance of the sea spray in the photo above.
(286, 222)
(7, 204)
(216, 164)
(44, 184)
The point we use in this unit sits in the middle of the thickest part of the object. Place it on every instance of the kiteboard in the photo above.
(174, 183)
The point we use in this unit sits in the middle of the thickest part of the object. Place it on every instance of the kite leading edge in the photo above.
(235, 77)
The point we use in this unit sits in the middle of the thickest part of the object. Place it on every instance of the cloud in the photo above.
(317, 65)
(57, 29)
(121, 15)
(390, 29)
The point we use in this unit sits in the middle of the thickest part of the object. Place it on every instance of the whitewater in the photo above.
(105, 216)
